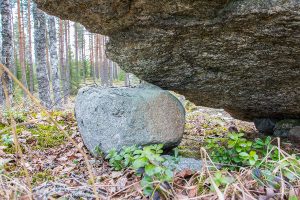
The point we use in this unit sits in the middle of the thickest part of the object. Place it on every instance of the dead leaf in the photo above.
(193, 192)
(121, 183)
(62, 159)
(182, 197)
(116, 174)
(67, 169)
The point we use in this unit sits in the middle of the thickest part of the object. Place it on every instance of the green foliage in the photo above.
(234, 149)
(98, 152)
(47, 136)
(43, 136)
(19, 116)
(122, 75)
(147, 162)
(7, 140)
(221, 180)
(42, 176)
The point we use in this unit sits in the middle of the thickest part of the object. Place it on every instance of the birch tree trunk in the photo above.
(30, 62)
(40, 51)
(7, 47)
(47, 53)
(54, 62)
(127, 80)
(14, 45)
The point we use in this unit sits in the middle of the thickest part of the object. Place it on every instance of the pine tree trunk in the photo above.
(7, 47)
(67, 69)
(40, 51)
(21, 46)
(30, 62)
(96, 36)
(76, 53)
(104, 73)
(83, 56)
(54, 62)
(91, 46)
(62, 63)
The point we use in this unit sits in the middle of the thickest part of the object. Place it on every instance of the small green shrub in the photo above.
(235, 151)
(148, 163)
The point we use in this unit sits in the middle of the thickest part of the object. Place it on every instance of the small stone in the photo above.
(284, 128)
(265, 126)
(295, 133)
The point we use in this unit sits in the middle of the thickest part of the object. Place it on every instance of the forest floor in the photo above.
(57, 170)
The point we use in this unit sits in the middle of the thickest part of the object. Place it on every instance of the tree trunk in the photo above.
(40, 51)
(91, 46)
(54, 62)
(67, 69)
(21, 47)
(47, 53)
(62, 64)
(7, 47)
(127, 80)
(30, 62)
(96, 36)
(104, 73)
(115, 71)
(83, 55)
(14, 45)
(76, 53)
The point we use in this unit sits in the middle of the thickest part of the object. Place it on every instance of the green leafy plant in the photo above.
(7, 140)
(234, 149)
(147, 162)
(221, 180)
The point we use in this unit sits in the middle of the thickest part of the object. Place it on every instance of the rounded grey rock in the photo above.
(110, 118)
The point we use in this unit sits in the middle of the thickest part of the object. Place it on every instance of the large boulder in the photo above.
(115, 117)
(243, 56)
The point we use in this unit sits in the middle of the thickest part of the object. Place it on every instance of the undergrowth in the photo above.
(148, 163)
(233, 166)
(270, 165)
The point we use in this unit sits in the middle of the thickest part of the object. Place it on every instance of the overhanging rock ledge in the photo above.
(243, 56)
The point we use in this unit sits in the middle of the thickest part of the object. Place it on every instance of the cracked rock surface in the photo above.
(240, 55)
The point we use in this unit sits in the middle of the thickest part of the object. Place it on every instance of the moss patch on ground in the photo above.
(38, 136)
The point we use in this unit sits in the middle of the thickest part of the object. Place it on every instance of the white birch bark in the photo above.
(54, 62)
